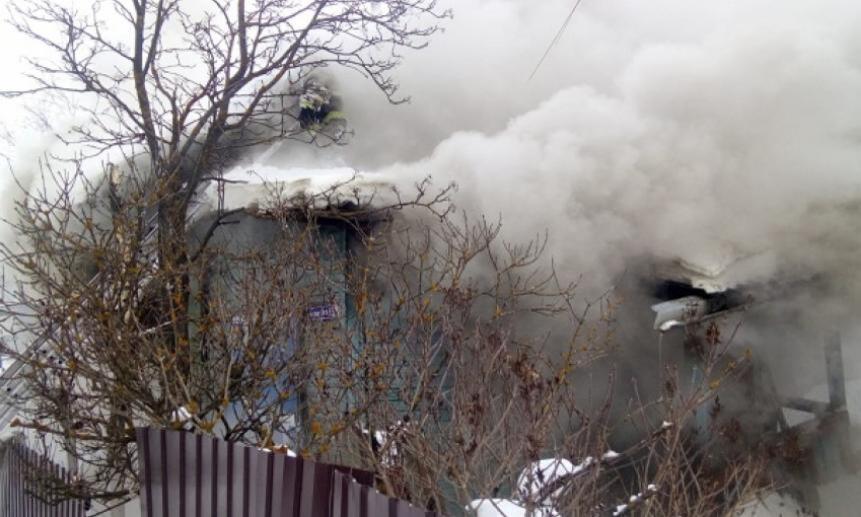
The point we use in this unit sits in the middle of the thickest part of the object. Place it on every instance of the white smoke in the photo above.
(693, 129)
(666, 129)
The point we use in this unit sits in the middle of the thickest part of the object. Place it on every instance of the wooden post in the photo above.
(836, 377)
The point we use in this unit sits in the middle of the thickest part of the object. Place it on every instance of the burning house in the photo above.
(643, 137)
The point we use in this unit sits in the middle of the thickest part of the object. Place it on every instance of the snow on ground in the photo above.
(530, 483)
(772, 505)
(505, 508)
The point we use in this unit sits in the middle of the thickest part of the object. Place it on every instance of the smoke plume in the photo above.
(703, 131)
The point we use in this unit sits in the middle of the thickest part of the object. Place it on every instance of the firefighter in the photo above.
(313, 104)
(317, 106)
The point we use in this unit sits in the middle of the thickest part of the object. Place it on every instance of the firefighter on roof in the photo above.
(317, 106)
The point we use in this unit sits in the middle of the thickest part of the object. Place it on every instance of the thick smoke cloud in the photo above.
(704, 151)
(699, 130)
(665, 129)
(702, 130)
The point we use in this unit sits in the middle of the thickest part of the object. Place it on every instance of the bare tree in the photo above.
(175, 89)
(171, 92)
(455, 366)
(107, 359)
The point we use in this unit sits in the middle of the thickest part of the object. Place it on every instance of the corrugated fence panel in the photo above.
(20, 492)
(188, 475)
(351, 499)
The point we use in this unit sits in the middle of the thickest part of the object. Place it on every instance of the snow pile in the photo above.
(505, 508)
(540, 483)
(775, 505)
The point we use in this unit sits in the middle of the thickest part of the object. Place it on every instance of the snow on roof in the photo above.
(256, 184)
(719, 271)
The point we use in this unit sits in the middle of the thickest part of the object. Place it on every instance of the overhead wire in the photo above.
(556, 38)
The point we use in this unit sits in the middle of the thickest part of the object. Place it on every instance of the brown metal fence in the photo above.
(352, 499)
(188, 475)
(24, 479)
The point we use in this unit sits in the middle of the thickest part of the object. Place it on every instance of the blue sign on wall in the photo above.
(325, 312)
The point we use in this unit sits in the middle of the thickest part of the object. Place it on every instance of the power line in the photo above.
(556, 38)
